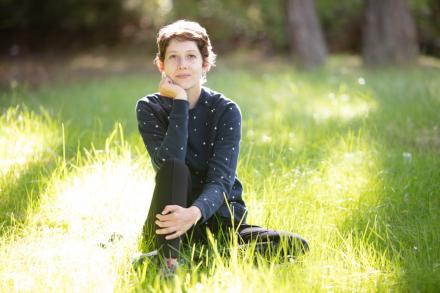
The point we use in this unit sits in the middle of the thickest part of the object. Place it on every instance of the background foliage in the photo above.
(80, 23)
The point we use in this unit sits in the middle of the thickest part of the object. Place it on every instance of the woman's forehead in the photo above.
(182, 46)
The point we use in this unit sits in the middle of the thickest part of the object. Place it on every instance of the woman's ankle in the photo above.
(172, 262)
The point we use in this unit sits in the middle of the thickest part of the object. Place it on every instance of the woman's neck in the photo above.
(193, 95)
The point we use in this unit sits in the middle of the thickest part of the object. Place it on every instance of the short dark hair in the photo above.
(184, 30)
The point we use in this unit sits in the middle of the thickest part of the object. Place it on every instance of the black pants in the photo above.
(173, 187)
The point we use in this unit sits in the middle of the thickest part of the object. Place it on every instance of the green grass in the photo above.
(347, 158)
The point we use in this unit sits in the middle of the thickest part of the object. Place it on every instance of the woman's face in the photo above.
(183, 63)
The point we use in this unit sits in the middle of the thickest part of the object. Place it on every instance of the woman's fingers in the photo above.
(173, 236)
(170, 209)
(169, 217)
(175, 223)
(167, 230)
(168, 213)
(164, 224)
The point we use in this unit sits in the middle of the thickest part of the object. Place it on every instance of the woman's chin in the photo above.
(186, 86)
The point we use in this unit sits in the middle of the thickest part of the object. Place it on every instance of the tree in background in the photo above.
(426, 15)
(389, 34)
(261, 25)
(304, 33)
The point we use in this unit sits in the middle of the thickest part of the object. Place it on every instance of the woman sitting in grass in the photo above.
(192, 134)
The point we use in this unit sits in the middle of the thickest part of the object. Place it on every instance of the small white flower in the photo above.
(407, 157)
(265, 138)
(361, 81)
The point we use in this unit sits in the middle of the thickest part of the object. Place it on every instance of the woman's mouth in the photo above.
(183, 76)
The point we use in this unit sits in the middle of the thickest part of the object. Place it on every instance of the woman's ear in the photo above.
(159, 65)
(206, 66)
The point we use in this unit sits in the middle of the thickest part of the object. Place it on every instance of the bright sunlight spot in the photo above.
(24, 137)
(343, 177)
(341, 106)
(86, 228)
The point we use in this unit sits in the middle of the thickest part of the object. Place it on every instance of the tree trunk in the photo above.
(304, 33)
(389, 34)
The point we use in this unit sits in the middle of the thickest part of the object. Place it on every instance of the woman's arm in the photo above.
(164, 142)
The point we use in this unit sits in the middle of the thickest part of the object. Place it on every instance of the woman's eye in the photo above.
(192, 56)
(171, 56)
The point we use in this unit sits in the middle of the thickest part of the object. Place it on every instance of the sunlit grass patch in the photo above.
(344, 176)
(29, 146)
(343, 106)
(26, 137)
(317, 200)
(88, 222)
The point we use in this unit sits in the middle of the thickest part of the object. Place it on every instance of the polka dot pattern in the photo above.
(206, 137)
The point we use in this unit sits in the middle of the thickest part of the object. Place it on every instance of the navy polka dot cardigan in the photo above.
(206, 137)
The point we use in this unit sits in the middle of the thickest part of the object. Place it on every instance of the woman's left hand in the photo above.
(176, 220)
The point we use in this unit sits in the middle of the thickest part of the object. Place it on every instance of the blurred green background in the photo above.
(29, 25)
(350, 153)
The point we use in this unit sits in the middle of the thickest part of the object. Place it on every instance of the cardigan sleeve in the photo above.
(222, 164)
(163, 141)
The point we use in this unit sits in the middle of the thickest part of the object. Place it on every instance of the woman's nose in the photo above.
(181, 63)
